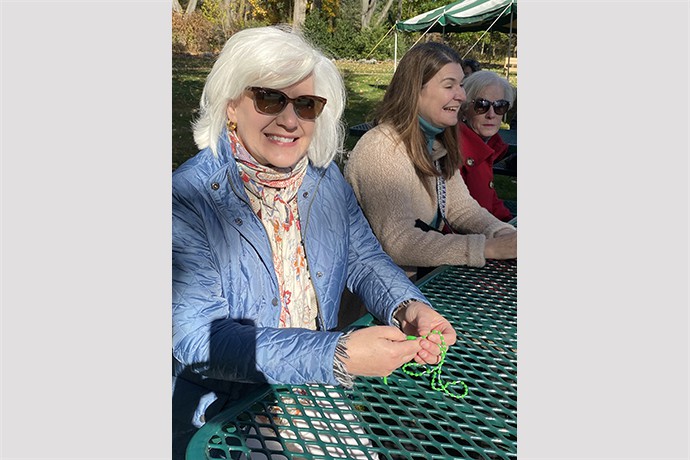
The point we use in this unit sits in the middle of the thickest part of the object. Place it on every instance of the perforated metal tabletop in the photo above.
(405, 418)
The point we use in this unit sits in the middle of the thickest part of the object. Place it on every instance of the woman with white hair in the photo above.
(489, 97)
(267, 235)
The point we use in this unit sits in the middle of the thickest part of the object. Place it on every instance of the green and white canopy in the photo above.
(465, 16)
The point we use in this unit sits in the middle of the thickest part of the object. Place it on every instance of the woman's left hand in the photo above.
(419, 319)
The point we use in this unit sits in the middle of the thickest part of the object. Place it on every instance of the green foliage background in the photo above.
(334, 25)
(365, 56)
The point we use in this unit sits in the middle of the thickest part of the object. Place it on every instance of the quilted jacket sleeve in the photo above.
(206, 338)
(378, 281)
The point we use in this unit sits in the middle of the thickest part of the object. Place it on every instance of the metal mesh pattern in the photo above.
(405, 419)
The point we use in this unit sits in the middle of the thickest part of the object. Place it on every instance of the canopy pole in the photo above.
(427, 30)
(395, 49)
(395, 52)
(395, 56)
(377, 45)
(488, 29)
(510, 42)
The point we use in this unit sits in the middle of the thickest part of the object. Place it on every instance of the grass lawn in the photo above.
(188, 78)
(365, 85)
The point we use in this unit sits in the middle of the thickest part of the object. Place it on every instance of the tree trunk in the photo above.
(191, 6)
(384, 14)
(176, 6)
(227, 19)
(239, 14)
(299, 14)
(368, 7)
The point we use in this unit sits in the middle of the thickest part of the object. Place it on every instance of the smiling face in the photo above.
(279, 141)
(486, 124)
(442, 95)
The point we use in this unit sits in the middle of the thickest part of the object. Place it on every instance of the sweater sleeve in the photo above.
(393, 198)
(466, 214)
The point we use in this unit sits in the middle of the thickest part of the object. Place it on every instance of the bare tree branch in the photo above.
(368, 7)
(191, 6)
(299, 14)
(384, 14)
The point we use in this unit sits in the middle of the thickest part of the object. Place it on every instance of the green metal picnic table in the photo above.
(403, 418)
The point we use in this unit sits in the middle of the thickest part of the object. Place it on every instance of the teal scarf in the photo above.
(430, 132)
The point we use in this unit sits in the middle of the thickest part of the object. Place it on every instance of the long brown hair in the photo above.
(400, 107)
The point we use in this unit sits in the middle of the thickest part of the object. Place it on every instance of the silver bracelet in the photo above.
(402, 305)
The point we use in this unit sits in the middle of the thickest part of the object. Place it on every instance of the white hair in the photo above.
(274, 57)
(477, 81)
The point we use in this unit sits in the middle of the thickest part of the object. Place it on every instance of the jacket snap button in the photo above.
(305, 194)
(491, 184)
(215, 186)
(275, 302)
(470, 162)
(319, 274)
(238, 221)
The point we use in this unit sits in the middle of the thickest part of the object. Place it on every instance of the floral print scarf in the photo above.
(273, 197)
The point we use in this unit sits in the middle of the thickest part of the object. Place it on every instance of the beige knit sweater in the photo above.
(393, 198)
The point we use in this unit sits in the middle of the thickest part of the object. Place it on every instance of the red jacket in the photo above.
(477, 169)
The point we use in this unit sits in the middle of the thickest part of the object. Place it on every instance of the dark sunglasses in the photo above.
(272, 102)
(500, 106)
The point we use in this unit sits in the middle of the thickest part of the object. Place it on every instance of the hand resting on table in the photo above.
(502, 246)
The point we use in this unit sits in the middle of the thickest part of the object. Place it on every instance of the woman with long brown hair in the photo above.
(405, 175)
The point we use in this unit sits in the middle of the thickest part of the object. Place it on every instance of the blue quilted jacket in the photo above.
(225, 299)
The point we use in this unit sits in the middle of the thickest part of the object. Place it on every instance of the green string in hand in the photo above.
(434, 371)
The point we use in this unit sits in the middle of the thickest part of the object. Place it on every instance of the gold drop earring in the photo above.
(232, 126)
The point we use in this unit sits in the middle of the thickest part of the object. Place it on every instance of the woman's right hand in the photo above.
(503, 246)
(377, 351)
